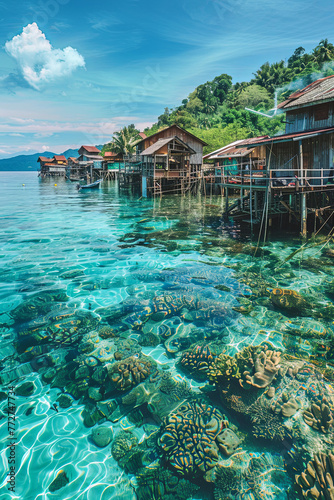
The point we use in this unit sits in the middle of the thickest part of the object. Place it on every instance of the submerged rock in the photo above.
(25, 389)
(102, 436)
(60, 481)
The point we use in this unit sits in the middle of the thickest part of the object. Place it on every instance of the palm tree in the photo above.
(124, 141)
(324, 52)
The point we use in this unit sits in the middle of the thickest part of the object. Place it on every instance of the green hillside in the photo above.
(215, 111)
(28, 163)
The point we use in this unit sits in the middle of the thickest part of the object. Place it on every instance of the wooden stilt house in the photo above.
(298, 178)
(169, 161)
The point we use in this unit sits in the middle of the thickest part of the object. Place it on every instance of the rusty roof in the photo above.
(321, 90)
(109, 154)
(234, 148)
(91, 149)
(294, 136)
(44, 158)
(60, 157)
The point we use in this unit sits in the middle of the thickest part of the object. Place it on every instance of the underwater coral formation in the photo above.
(190, 438)
(319, 416)
(130, 372)
(253, 367)
(317, 480)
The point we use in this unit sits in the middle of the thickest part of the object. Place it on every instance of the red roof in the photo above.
(142, 135)
(109, 154)
(44, 158)
(91, 149)
(59, 157)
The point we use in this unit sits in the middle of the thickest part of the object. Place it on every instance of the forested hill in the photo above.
(215, 111)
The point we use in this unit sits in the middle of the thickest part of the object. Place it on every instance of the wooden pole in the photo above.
(303, 205)
(226, 203)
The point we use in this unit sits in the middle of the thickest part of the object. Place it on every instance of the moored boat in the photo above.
(93, 185)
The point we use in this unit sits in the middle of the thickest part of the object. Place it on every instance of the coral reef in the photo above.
(319, 416)
(161, 484)
(264, 367)
(190, 438)
(285, 405)
(317, 480)
(197, 361)
(247, 475)
(130, 372)
(290, 301)
(254, 367)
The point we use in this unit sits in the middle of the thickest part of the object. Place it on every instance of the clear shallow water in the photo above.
(114, 256)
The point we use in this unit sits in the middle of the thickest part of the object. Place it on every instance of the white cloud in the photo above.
(38, 61)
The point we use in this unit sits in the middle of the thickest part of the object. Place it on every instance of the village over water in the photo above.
(167, 297)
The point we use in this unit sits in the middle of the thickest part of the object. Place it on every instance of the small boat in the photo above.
(93, 185)
(75, 179)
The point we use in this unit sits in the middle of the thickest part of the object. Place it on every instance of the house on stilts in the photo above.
(295, 177)
(169, 161)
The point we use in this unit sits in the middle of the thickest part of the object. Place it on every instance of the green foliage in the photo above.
(255, 97)
(218, 137)
(123, 141)
(215, 111)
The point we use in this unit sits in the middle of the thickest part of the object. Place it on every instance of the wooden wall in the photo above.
(310, 118)
(195, 159)
(317, 156)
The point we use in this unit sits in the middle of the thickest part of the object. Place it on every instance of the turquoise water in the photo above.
(90, 279)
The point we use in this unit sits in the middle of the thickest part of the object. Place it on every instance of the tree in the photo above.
(184, 119)
(124, 141)
(323, 52)
(255, 96)
(221, 86)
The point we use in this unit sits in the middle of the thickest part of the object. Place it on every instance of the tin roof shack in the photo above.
(234, 162)
(88, 153)
(111, 164)
(52, 167)
(300, 170)
(170, 161)
(90, 163)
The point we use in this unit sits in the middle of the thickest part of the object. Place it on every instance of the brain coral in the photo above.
(190, 438)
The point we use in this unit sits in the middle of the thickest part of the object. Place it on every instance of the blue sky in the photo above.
(74, 71)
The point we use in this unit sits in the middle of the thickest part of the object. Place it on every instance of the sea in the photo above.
(152, 350)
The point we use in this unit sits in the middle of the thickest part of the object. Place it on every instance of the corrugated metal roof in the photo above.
(291, 137)
(320, 90)
(234, 148)
(234, 151)
(59, 157)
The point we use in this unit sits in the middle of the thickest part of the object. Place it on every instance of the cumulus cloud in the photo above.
(39, 63)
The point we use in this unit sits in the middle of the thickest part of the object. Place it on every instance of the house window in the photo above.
(321, 112)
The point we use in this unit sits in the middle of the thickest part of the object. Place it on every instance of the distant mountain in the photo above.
(28, 163)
